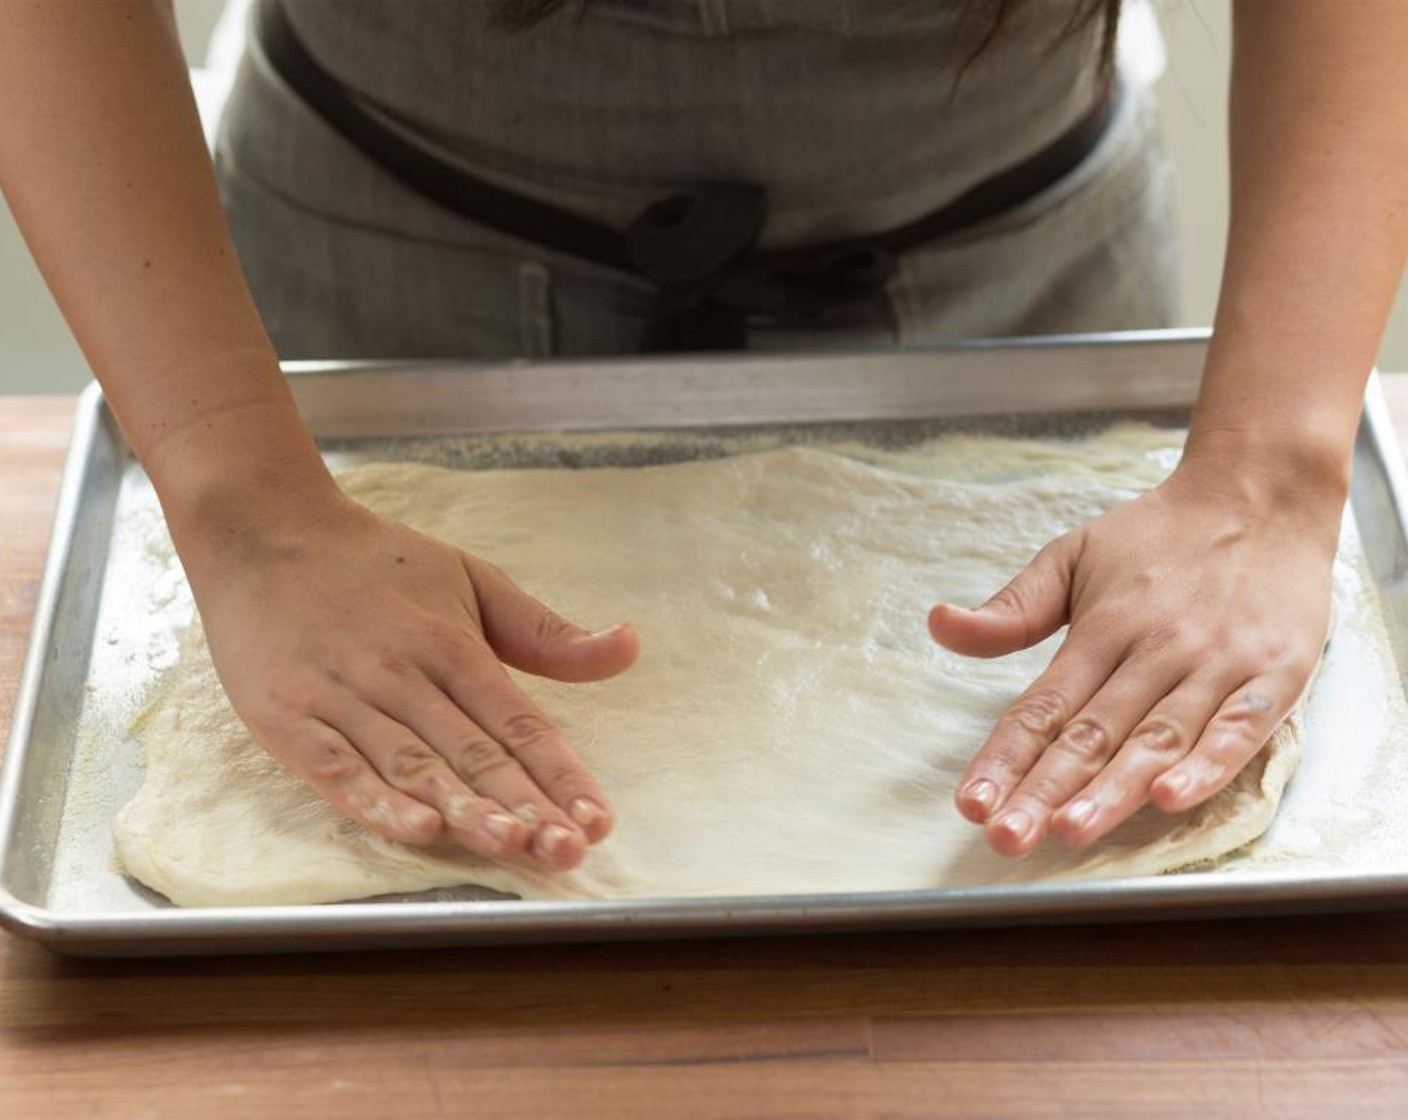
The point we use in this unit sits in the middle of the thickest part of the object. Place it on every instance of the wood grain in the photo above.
(33, 441)
(1286, 1018)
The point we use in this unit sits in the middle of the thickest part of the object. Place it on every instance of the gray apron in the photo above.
(852, 112)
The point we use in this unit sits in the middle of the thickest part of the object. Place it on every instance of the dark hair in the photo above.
(989, 15)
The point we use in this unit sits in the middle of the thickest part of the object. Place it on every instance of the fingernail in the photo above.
(983, 792)
(553, 838)
(1016, 824)
(501, 826)
(1080, 813)
(608, 632)
(527, 813)
(952, 609)
(1176, 783)
(586, 812)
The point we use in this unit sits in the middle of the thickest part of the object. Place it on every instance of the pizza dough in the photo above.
(790, 726)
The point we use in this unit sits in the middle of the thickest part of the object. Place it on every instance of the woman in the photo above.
(369, 658)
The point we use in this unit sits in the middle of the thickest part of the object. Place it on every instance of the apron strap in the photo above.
(697, 248)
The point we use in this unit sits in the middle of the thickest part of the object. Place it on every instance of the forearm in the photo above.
(1317, 238)
(103, 163)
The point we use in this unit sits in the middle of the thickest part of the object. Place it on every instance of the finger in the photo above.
(487, 767)
(465, 681)
(1080, 752)
(1030, 724)
(1235, 733)
(532, 637)
(324, 758)
(408, 764)
(1162, 739)
(497, 705)
(459, 678)
(1032, 607)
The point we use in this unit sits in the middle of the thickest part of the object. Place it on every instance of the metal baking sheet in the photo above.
(106, 617)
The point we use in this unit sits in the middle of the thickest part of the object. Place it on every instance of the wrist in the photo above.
(1272, 430)
(241, 476)
(1266, 473)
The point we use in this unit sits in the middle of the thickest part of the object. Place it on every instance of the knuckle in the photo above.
(1249, 658)
(1008, 598)
(331, 761)
(529, 731)
(1058, 554)
(396, 665)
(411, 765)
(1243, 720)
(1174, 636)
(562, 774)
(1041, 713)
(550, 627)
(1290, 660)
(1277, 654)
(1014, 601)
(1004, 763)
(1272, 652)
(445, 645)
(1085, 738)
(1232, 746)
(476, 758)
(289, 698)
(1160, 736)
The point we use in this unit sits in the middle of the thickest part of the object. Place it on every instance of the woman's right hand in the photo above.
(368, 658)
(364, 656)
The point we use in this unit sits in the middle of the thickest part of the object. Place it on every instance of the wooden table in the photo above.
(1279, 1018)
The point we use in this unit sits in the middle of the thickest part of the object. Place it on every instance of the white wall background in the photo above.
(38, 356)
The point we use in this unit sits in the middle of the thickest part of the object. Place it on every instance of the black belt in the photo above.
(695, 247)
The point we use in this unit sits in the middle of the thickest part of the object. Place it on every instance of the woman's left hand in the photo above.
(1197, 614)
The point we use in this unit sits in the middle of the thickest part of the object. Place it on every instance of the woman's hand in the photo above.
(1197, 614)
(1198, 611)
(367, 658)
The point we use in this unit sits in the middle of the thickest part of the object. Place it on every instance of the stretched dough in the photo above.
(790, 726)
